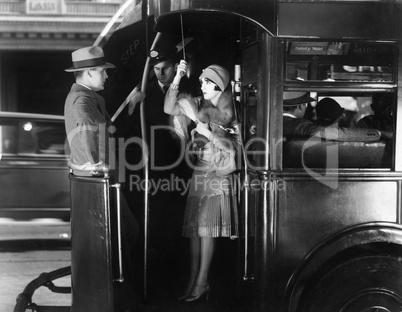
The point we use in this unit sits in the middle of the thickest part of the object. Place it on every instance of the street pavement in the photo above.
(28, 249)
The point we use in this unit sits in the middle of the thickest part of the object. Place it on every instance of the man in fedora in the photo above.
(85, 108)
(295, 126)
(87, 125)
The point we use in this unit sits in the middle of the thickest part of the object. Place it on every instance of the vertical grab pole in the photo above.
(119, 249)
(145, 156)
(236, 89)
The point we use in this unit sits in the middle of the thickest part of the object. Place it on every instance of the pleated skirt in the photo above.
(211, 209)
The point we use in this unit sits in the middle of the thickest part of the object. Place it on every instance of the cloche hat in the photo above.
(291, 98)
(88, 57)
(217, 74)
(328, 110)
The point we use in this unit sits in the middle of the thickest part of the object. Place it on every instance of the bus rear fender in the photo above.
(368, 239)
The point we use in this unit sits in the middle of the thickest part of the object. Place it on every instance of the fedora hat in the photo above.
(296, 98)
(88, 57)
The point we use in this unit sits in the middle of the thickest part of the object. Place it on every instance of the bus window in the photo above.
(356, 111)
(356, 75)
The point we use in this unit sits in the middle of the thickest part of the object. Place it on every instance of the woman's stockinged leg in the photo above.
(195, 261)
(195, 252)
(201, 287)
(207, 252)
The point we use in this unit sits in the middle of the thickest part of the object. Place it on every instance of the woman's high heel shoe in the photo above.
(186, 294)
(183, 297)
(199, 293)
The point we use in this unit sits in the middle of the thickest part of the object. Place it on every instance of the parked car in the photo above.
(34, 179)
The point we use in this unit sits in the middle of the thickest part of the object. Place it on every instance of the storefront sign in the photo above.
(45, 7)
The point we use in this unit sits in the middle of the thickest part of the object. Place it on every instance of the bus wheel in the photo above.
(364, 284)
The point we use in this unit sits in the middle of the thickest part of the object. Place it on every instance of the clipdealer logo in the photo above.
(120, 145)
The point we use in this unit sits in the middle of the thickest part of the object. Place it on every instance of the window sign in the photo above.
(45, 7)
(319, 48)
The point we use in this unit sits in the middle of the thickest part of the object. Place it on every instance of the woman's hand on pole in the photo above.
(180, 72)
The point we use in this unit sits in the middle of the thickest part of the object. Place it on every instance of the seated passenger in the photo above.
(382, 120)
(295, 126)
(329, 112)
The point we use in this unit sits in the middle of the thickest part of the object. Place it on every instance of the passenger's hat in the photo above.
(217, 74)
(89, 57)
(163, 53)
(291, 98)
(328, 110)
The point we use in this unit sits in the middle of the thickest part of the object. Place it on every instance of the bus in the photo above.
(321, 219)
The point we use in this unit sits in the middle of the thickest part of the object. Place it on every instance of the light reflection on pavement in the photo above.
(34, 229)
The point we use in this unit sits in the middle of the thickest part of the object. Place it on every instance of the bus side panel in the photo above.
(91, 252)
(308, 212)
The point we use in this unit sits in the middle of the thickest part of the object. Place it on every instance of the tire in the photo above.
(364, 284)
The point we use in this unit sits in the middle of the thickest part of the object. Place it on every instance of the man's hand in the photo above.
(134, 97)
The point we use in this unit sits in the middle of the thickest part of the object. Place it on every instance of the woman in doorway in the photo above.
(211, 209)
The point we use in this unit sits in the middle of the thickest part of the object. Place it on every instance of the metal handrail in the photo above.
(24, 299)
(120, 278)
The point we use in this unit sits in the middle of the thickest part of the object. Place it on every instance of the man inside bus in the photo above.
(382, 120)
(164, 163)
(295, 126)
